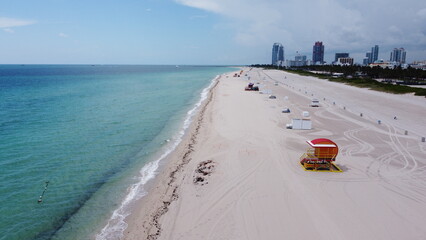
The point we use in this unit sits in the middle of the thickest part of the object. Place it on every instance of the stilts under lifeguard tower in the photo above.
(320, 156)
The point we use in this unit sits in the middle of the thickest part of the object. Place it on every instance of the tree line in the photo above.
(410, 76)
(393, 80)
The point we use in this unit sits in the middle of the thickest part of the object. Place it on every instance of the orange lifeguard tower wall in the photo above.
(324, 149)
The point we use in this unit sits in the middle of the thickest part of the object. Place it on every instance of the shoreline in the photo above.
(257, 189)
(162, 190)
(116, 224)
(171, 194)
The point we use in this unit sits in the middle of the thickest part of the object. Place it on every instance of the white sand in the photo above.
(258, 190)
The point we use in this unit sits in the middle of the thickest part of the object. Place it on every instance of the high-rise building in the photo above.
(345, 61)
(374, 53)
(277, 54)
(368, 57)
(372, 56)
(365, 61)
(300, 58)
(398, 55)
(340, 55)
(318, 53)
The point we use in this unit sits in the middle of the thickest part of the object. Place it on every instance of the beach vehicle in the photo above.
(286, 110)
(314, 103)
(272, 97)
(251, 87)
(320, 156)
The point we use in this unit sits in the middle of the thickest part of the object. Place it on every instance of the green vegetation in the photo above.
(395, 80)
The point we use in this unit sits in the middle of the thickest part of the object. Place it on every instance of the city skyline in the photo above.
(398, 55)
(204, 32)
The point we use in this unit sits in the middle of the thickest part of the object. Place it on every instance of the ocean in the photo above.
(78, 142)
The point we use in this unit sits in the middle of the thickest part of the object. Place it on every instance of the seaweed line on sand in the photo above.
(169, 198)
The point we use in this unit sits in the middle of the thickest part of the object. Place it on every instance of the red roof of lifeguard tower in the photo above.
(322, 142)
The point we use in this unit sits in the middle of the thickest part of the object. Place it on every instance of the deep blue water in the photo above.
(87, 130)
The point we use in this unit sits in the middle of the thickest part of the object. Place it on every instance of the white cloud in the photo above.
(8, 30)
(342, 25)
(63, 35)
(208, 5)
(290, 21)
(12, 22)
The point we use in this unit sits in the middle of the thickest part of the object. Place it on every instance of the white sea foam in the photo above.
(116, 224)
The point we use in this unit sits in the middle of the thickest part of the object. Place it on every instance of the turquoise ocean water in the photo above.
(95, 134)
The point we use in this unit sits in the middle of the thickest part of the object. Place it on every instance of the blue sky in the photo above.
(146, 32)
(204, 31)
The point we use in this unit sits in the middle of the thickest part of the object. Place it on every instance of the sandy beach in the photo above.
(237, 175)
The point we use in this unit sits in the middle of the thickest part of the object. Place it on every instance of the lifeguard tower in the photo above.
(320, 156)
